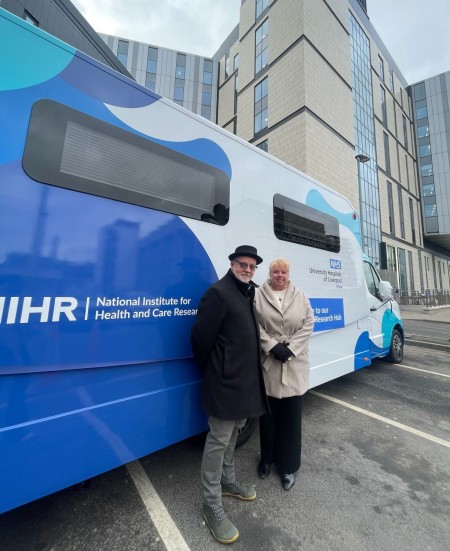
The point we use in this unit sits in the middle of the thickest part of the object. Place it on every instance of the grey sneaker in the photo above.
(240, 491)
(219, 524)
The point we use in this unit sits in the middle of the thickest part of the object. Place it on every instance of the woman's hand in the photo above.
(281, 352)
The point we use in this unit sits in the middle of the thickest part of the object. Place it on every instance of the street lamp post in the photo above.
(361, 158)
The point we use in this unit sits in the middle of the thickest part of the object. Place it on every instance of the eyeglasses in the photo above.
(244, 265)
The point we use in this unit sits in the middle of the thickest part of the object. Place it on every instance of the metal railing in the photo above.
(429, 298)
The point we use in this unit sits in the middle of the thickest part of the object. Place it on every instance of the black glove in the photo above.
(281, 352)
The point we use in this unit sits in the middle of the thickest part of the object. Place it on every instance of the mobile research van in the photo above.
(117, 210)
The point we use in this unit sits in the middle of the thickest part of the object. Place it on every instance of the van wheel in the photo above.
(395, 355)
(246, 431)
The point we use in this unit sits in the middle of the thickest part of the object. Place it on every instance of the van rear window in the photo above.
(299, 223)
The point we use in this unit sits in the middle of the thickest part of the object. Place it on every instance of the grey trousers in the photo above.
(218, 458)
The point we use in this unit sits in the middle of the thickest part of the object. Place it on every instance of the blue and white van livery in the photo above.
(117, 210)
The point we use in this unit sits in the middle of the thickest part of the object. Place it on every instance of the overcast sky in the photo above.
(415, 32)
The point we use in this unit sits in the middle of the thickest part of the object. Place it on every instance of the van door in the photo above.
(377, 306)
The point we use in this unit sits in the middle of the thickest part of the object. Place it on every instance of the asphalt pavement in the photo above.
(427, 327)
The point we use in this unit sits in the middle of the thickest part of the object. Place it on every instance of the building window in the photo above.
(227, 66)
(262, 46)
(405, 132)
(180, 70)
(391, 209)
(400, 212)
(426, 169)
(403, 279)
(236, 62)
(380, 68)
(152, 62)
(264, 145)
(383, 106)
(430, 210)
(207, 89)
(413, 225)
(261, 5)
(391, 81)
(261, 105)
(387, 156)
(407, 170)
(236, 84)
(423, 131)
(419, 91)
(391, 260)
(207, 71)
(421, 112)
(122, 52)
(424, 150)
(411, 271)
(150, 81)
(428, 190)
(30, 19)
(180, 74)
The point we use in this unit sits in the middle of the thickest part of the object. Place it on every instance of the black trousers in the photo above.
(280, 434)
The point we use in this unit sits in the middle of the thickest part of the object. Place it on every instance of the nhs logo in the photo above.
(335, 264)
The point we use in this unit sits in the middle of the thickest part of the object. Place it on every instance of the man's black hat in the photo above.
(246, 250)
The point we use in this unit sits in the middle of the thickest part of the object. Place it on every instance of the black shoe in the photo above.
(263, 470)
(287, 480)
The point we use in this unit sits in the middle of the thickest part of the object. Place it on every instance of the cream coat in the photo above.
(292, 322)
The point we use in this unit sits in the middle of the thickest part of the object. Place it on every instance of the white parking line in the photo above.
(424, 370)
(167, 529)
(384, 419)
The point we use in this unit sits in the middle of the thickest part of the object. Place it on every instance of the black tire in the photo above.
(246, 431)
(395, 355)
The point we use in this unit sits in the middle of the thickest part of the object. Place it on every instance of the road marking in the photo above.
(167, 529)
(428, 342)
(424, 370)
(384, 419)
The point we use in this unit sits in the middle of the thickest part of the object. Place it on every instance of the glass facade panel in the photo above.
(424, 150)
(365, 139)
(428, 190)
(421, 113)
(426, 170)
(419, 91)
(423, 131)
(430, 210)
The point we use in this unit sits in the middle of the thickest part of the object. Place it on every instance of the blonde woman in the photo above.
(286, 323)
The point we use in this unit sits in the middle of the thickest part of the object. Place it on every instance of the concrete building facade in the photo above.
(311, 82)
(188, 80)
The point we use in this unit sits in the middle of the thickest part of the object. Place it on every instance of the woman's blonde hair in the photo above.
(281, 262)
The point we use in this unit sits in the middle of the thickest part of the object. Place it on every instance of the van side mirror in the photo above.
(385, 290)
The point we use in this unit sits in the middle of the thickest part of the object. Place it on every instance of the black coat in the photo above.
(225, 343)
